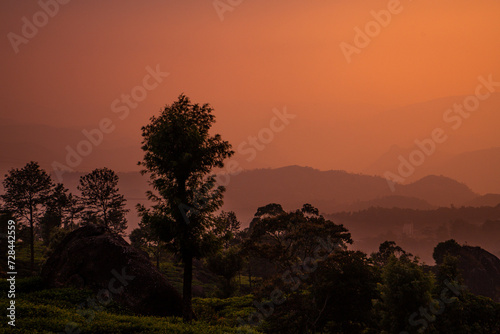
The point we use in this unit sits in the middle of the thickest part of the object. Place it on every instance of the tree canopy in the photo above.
(26, 193)
(180, 155)
(103, 204)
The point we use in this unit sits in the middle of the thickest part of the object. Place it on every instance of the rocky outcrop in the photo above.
(481, 271)
(95, 258)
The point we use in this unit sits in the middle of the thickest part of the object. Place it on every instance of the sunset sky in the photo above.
(262, 55)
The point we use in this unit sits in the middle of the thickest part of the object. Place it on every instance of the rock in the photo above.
(93, 257)
(481, 271)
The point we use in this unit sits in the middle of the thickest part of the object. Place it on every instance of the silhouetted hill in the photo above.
(389, 161)
(470, 155)
(478, 169)
(293, 186)
(485, 200)
(438, 190)
(390, 202)
(334, 191)
(418, 231)
(330, 191)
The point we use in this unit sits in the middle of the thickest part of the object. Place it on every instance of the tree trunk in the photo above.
(158, 257)
(249, 273)
(32, 241)
(187, 312)
(104, 216)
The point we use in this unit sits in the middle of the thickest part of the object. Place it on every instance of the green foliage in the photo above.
(342, 290)
(225, 312)
(227, 264)
(40, 310)
(404, 289)
(335, 296)
(56, 236)
(482, 315)
(468, 314)
(34, 318)
(386, 250)
(339, 295)
(450, 247)
(23, 257)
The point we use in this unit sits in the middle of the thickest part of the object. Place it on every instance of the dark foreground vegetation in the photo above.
(288, 272)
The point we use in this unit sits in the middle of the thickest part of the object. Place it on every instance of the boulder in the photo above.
(481, 271)
(95, 258)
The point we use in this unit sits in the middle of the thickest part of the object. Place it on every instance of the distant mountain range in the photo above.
(485, 200)
(359, 138)
(330, 191)
(334, 191)
(365, 204)
(479, 169)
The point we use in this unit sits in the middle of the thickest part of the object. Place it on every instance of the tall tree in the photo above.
(57, 206)
(180, 155)
(26, 192)
(102, 201)
(228, 261)
(73, 212)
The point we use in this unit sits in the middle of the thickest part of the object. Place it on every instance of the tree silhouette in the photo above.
(179, 155)
(405, 289)
(226, 264)
(73, 212)
(449, 247)
(58, 205)
(228, 261)
(145, 238)
(388, 249)
(287, 237)
(26, 193)
(103, 204)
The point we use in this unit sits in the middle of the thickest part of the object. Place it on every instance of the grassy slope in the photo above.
(40, 310)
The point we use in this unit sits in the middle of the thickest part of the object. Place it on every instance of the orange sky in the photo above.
(263, 55)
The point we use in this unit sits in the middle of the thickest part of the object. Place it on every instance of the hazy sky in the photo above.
(262, 55)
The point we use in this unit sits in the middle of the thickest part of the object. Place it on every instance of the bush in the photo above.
(223, 311)
(57, 310)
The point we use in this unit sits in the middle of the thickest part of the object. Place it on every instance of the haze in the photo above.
(263, 55)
